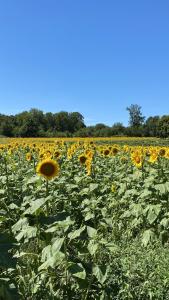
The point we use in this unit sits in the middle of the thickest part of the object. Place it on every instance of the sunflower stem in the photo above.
(47, 193)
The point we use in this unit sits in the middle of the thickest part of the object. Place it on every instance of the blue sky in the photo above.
(92, 56)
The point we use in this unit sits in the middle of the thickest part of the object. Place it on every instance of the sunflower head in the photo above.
(82, 159)
(162, 152)
(137, 160)
(153, 158)
(48, 168)
(28, 156)
(115, 150)
(57, 154)
(106, 152)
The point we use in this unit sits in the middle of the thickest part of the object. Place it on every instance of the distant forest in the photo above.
(36, 123)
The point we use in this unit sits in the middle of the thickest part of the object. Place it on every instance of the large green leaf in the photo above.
(77, 270)
(74, 234)
(147, 237)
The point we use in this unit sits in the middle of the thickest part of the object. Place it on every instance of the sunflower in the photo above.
(153, 158)
(162, 152)
(28, 156)
(57, 154)
(48, 168)
(115, 150)
(82, 159)
(106, 152)
(41, 155)
(137, 160)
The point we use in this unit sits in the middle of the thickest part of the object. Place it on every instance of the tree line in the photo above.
(36, 123)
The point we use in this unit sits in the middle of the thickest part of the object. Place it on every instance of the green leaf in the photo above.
(53, 261)
(153, 212)
(145, 194)
(163, 188)
(46, 253)
(93, 187)
(84, 192)
(77, 270)
(89, 216)
(60, 224)
(92, 232)
(23, 222)
(27, 233)
(147, 237)
(165, 223)
(76, 233)
(92, 247)
(100, 273)
(33, 179)
(57, 244)
(35, 205)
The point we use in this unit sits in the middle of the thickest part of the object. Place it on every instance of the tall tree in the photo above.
(136, 118)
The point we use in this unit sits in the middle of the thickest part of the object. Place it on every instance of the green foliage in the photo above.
(163, 127)
(135, 114)
(35, 123)
(75, 238)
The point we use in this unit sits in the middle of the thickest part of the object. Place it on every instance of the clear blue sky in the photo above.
(92, 56)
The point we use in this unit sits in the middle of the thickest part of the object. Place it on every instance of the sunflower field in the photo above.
(84, 219)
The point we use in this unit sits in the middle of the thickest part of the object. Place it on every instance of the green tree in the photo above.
(163, 127)
(118, 129)
(151, 126)
(76, 122)
(136, 118)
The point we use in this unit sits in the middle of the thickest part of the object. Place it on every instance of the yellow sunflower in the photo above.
(48, 168)
(137, 160)
(28, 156)
(82, 159)
(153, 158)
(162, 152)
(57, 154)
(115, 150)
(106, 152)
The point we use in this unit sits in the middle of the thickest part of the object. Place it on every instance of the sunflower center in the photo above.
(162, 152)
(83, 159)
(115, 150)
(47, 169)
(138, 160)
(106, 152)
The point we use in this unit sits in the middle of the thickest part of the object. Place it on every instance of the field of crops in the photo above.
(84, 219)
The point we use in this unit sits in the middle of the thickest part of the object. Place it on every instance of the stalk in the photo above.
(47, 193)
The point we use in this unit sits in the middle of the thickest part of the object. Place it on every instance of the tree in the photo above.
(118, 129)
(163, 127)
(136, 118)
(76, 122)
(6, 128)
(62, 121)
(151, 126)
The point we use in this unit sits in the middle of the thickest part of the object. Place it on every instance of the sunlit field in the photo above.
(84, 218)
